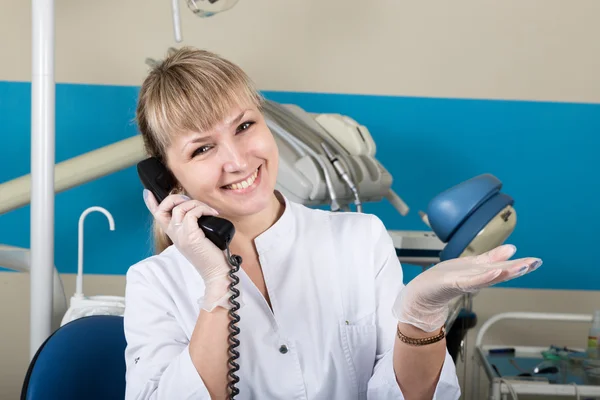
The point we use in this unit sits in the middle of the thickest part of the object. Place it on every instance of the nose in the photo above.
(234, 157)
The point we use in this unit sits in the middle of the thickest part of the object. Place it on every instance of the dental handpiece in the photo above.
(339, 167)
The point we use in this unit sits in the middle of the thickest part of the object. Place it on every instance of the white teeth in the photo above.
(244, 184)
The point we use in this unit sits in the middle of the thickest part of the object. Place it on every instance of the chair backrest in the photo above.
(83, 359)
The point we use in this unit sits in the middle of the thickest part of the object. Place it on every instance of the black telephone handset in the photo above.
(160, 181)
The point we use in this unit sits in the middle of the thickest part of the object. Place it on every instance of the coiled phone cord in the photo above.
(235, 261)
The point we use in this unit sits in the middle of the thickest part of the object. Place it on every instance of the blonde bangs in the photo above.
(193, 90)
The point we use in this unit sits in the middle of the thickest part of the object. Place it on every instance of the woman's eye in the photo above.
(200, 150)
(244, 126)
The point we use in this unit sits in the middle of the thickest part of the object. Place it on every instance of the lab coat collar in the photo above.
(281, 231)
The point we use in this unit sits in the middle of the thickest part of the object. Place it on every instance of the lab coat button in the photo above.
(283, 349)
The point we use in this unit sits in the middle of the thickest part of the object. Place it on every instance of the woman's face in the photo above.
(232, 167)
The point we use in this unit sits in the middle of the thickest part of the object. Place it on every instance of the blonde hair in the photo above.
(190, 90)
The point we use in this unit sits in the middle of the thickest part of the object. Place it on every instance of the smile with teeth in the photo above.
(244, 184)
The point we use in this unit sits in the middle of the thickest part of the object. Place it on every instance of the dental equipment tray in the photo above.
(421, 248)
(515, 365)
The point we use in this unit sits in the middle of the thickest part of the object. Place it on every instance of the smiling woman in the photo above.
(325, 313)
(201, 116)
(232, 166)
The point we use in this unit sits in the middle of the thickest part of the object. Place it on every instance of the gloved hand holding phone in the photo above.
(178, 216)
(424, 302)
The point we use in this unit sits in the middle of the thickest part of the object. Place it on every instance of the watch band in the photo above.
(421, 341)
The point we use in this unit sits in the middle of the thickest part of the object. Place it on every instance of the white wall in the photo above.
(539, 49)
(535, 50)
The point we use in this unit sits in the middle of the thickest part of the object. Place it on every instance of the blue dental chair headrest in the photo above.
(458, 214)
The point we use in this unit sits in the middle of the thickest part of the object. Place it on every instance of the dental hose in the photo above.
(339, 168)
(235, 262)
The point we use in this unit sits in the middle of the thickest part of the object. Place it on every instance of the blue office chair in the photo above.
(83, 359)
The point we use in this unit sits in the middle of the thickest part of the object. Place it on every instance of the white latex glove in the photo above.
(424, 302)
(178, 216)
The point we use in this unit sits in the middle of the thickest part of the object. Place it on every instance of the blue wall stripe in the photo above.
(544, 152)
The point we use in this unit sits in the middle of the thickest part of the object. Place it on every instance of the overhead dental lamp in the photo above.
(208, 8)
(202, 8)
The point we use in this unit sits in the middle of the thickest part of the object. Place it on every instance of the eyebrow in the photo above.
(238, 118)
(204, 138)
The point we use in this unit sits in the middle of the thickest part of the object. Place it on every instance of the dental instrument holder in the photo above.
(80, 305)
(472, 217)
(314, 160)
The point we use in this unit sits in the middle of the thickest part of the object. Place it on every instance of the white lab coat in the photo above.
(332, 279)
